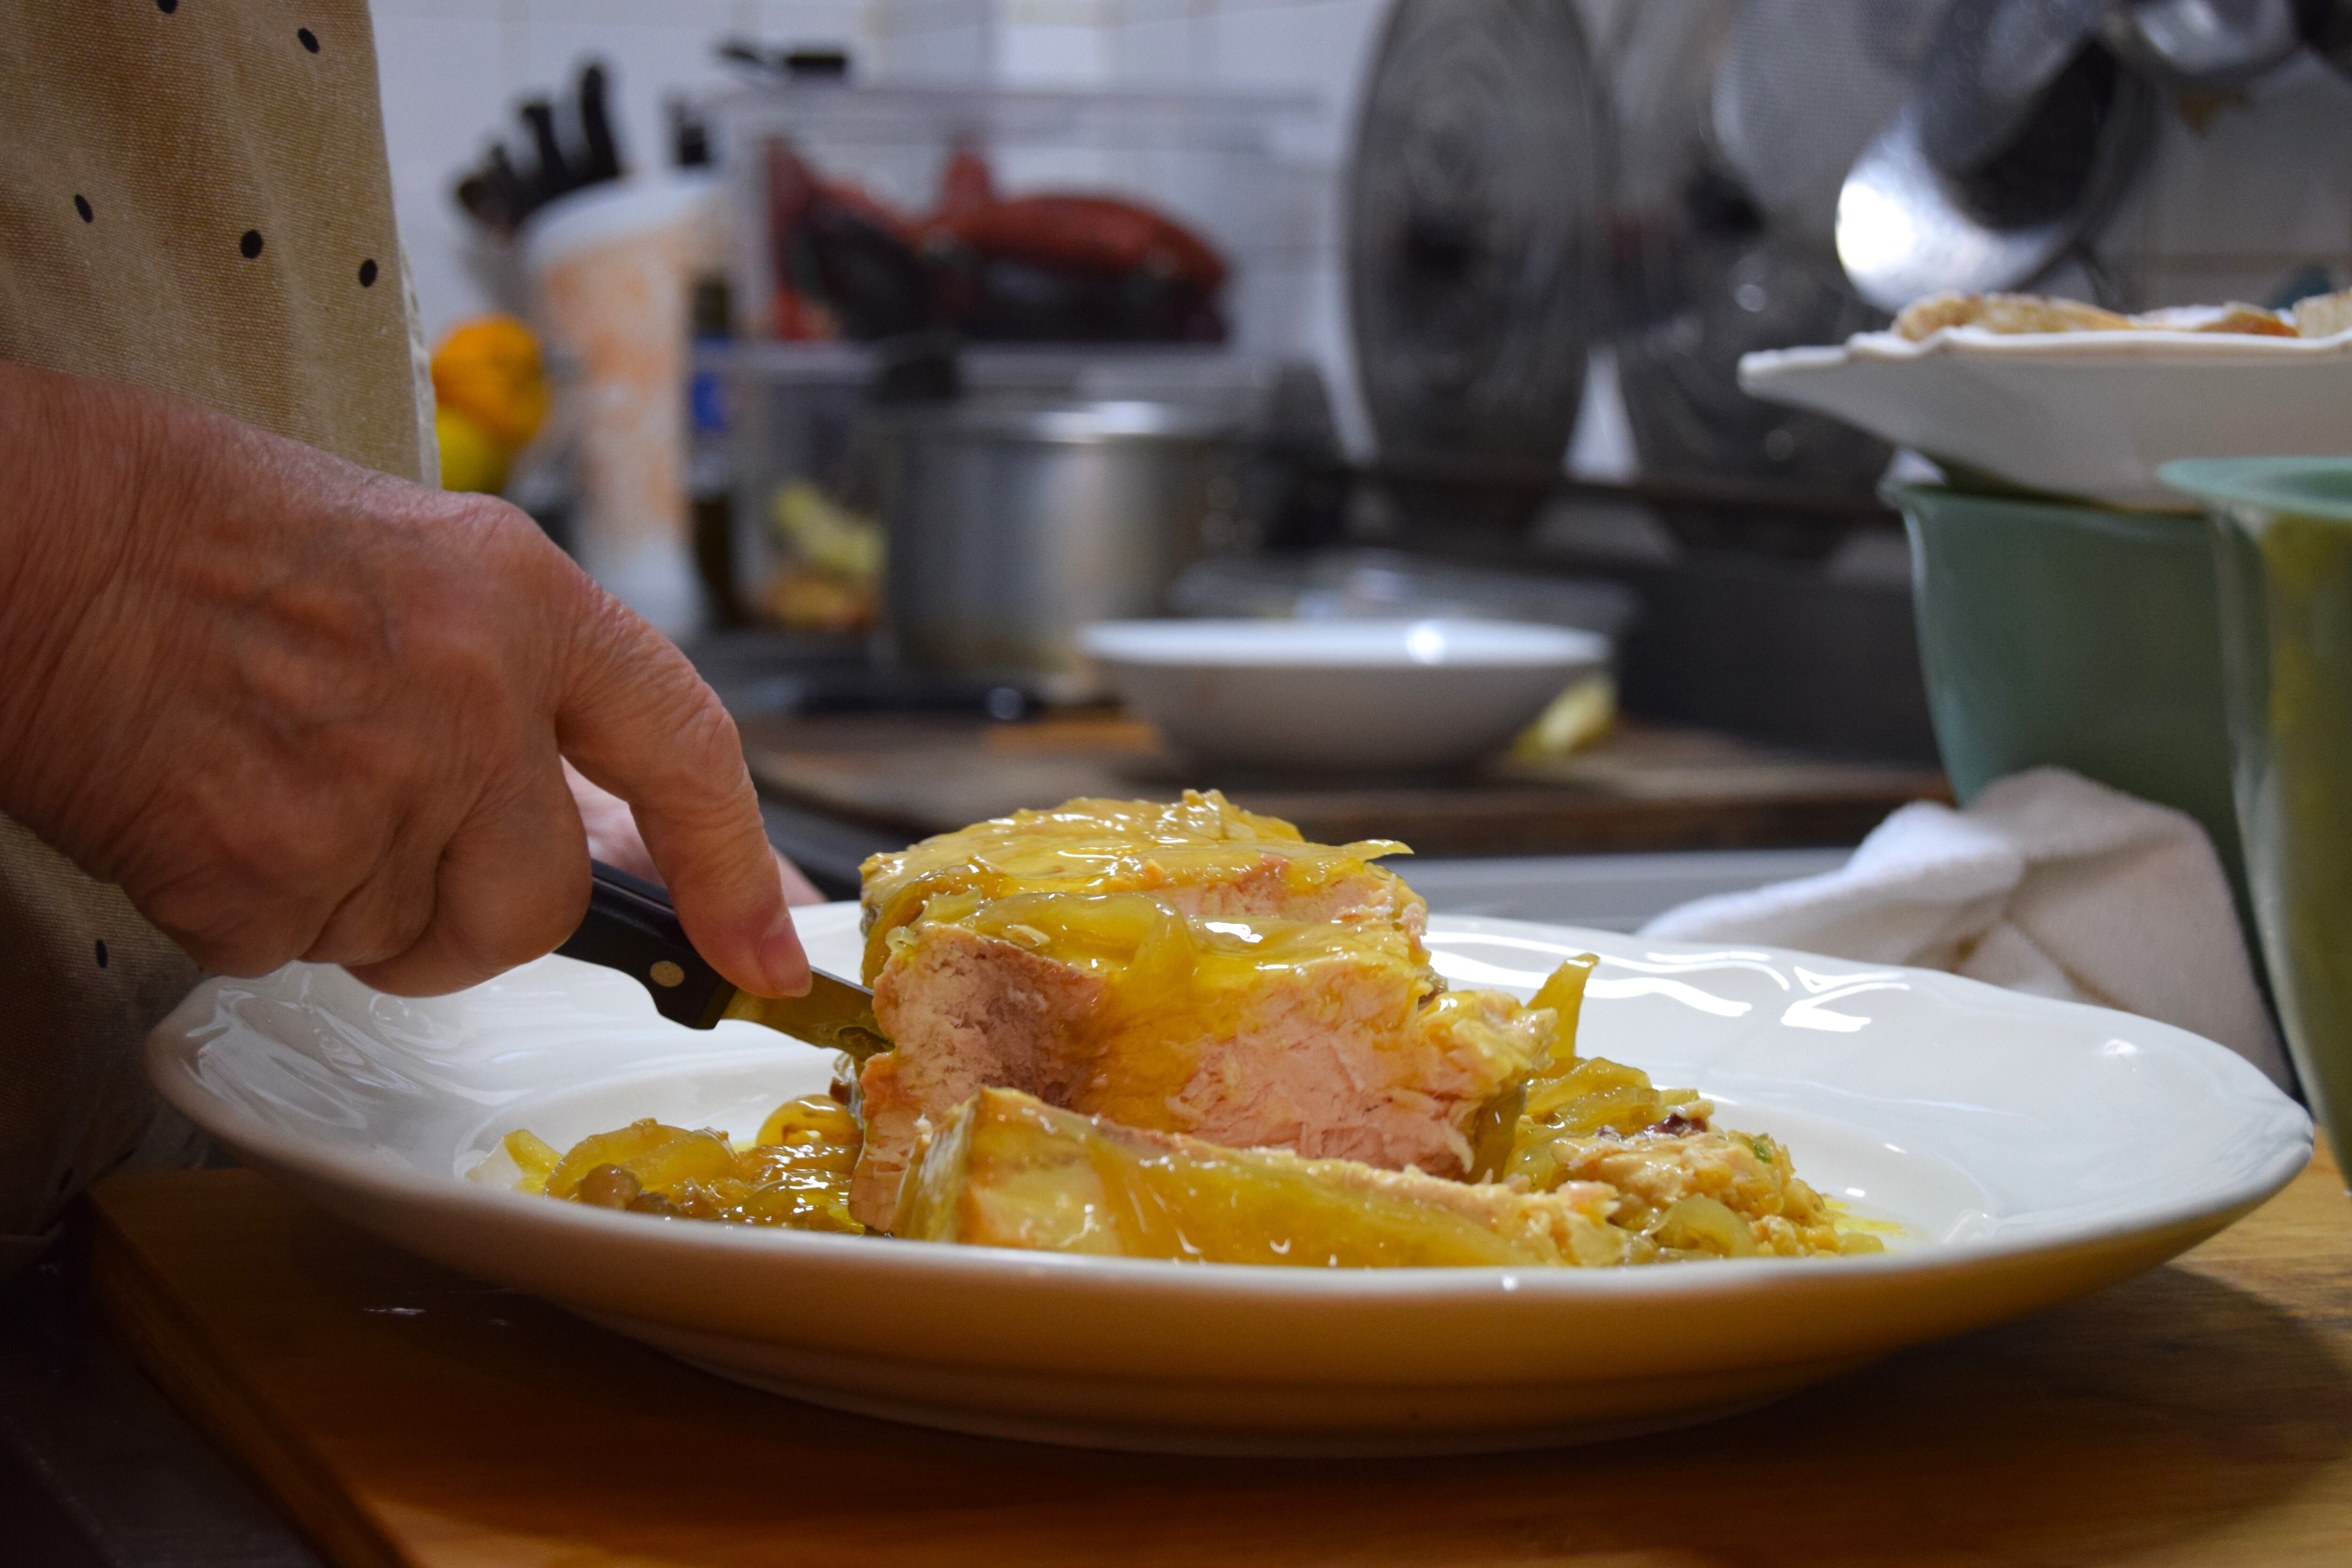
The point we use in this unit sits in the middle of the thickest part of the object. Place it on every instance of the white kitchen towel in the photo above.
(2047, 883)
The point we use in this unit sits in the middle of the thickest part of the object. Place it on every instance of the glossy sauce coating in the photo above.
(1201, 842)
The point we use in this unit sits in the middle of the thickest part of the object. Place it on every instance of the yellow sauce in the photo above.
(1106, 846)
(795, 1173)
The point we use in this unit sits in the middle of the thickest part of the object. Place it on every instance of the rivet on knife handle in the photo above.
(631, 927)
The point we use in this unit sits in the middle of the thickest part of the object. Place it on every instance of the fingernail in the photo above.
(782, 960)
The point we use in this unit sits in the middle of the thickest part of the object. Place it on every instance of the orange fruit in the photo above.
(489, 369)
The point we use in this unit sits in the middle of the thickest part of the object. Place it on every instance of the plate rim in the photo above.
(2122, 347)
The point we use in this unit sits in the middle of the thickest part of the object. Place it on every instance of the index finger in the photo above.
(636, 718)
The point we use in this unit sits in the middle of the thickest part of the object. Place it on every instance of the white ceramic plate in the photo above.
(2035, 1149)
(1338, 695)
(2090, 415)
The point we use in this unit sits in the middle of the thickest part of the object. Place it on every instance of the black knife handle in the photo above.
(631, 927)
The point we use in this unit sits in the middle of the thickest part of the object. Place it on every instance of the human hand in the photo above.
(613, 838)
(296, 709)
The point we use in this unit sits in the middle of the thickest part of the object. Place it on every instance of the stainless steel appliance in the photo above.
(1011, 524)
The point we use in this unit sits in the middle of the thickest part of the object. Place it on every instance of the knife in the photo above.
(632, 927)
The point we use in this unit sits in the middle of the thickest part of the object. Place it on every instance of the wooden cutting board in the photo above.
(1641, 788)
(2201, 1414)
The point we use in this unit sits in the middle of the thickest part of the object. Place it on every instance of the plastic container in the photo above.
(1209, 161)
(609, 271)
(808, 502)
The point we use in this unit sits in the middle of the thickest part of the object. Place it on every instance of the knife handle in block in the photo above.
(631, 927)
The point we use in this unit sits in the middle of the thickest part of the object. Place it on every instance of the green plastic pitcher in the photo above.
(2057, 634)
(2281, 534)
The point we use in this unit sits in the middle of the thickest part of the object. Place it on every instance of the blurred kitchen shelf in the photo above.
(834, 784)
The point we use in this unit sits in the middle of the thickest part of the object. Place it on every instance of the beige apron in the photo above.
(193, 197)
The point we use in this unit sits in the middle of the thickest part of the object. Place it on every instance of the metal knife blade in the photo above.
(836, 1014)
(631, 927)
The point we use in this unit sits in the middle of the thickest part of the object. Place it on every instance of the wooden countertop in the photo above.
(1641, 787)
(2201, 1414)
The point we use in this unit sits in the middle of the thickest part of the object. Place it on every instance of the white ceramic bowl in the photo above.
(2090, 415)
(2035, 1149)
(1340, 696)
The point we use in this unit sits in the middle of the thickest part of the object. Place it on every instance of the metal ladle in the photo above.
(2025, 124)
(2020, 134)
(1989, 70)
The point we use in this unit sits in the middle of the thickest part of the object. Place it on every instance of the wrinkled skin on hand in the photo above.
(296, 709)
(613, 838)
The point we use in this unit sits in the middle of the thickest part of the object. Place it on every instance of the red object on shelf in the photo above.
(966, 187)
(1092, 234)
(1040, 267)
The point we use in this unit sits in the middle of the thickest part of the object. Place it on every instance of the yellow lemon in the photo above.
(470, 461)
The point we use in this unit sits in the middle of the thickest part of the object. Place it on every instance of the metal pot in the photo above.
(1012, 524)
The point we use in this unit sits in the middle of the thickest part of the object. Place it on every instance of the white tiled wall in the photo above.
(1056, 40)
